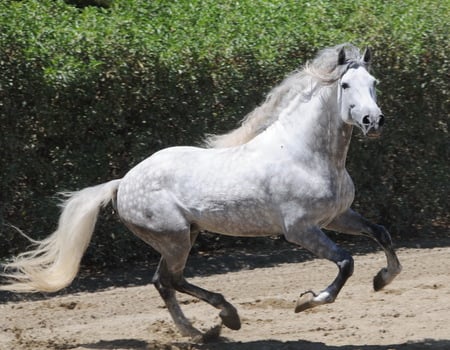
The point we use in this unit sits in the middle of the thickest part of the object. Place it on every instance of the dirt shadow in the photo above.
(132, 344)
(199, 264)
(250, 253)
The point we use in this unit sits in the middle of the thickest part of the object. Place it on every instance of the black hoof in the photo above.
(230, 318)
(211, 335)
(378, 281)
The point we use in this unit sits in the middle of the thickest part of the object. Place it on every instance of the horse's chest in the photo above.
(320, 198)
(346, 191)
(343, 193)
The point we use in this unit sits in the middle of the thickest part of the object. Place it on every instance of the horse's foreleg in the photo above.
(319, 244)
(352, 223)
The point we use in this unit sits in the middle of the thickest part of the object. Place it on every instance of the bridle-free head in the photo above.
(357, 95)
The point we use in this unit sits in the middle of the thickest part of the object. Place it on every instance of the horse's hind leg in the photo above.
(228, 313)
(174, 248)
(167, 282)
(314, 240)
(162, 282)
(352, 223)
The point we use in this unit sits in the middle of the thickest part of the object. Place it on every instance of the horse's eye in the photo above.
(345, 86)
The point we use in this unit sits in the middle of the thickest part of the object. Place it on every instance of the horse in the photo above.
(281, 172)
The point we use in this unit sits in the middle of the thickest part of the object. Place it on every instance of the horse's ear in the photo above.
(341, 57)
(367, 56)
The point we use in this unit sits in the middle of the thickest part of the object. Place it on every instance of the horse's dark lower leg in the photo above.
(169, 278)
(162, 282)
(174, 248)
(387, 274)
(319, 244)
(228, 313)
(352, 223)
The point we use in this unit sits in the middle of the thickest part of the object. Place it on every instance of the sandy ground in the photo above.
(411, 313)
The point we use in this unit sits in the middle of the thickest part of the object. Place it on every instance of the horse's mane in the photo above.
(321, 71)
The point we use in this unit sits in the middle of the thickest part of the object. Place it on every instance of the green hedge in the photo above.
(86, 92)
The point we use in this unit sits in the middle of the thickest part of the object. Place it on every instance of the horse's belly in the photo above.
(238, 219)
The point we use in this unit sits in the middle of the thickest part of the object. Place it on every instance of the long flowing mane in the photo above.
(321, 71)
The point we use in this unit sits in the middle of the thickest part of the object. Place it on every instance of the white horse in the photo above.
(281, 172)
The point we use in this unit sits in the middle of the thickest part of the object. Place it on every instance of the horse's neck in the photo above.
(314, 127)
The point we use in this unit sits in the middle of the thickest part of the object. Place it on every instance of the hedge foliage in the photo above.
(86, 92)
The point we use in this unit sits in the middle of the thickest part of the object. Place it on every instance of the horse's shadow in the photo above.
(265, 253)
(226, 344)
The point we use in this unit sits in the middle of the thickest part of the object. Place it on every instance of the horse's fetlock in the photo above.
(383, 235)
(346, 266)
(218, 300)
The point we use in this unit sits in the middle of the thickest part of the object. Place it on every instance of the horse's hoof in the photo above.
(230, 319)
(385, 276)
(378, 281)
(305, 301)
(212, 335)
(191, 332)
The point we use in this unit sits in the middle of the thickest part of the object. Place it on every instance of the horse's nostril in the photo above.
(366, 120)
(381, 120)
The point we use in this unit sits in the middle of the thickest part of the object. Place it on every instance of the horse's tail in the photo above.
(54, 262)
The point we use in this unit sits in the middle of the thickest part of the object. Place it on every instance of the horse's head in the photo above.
(357, 95)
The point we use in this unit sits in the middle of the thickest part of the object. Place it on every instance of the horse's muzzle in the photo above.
(372, 125)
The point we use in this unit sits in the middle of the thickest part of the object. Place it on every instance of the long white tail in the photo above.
(54, 262)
